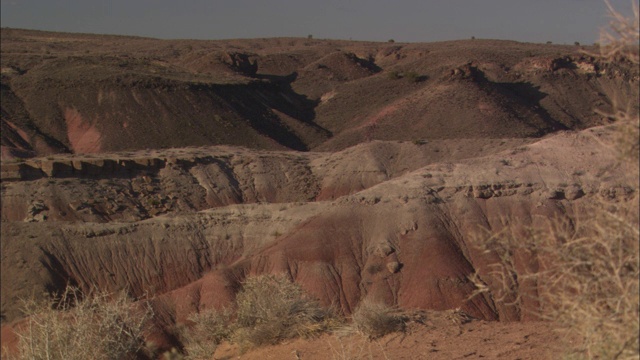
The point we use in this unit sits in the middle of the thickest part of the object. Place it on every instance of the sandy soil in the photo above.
(440, 336)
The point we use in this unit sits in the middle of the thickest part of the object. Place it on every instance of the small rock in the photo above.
(573, 192)
(384, 250)
(393, 267)
(40, 217)
(37, 207)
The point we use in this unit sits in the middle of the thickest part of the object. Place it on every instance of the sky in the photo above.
(559, 21)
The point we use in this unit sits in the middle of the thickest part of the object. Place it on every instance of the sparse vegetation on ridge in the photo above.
(411, 76)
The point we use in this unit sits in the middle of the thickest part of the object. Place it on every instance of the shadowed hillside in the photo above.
(89, 93)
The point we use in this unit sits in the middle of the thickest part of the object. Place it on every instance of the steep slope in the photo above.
(20, 137)
(91, 106)
(481, 96)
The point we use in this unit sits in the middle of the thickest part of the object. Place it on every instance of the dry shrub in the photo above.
(375, 319)
(621, 40)
(620, 43)
(271, 308)
(69, 327)
(585, 273)
(586, 278)
(210, 327)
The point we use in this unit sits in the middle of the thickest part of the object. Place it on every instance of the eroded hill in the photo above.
(87, 93)
(202, 223)
(177, 169)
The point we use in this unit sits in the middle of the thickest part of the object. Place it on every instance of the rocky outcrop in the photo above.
(133, 186)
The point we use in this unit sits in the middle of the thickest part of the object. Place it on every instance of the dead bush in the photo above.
(586, 278)
(101, 326)
(375, 319)
(620, 43)
(621, 39)
(271, 308)
(210, 327)
(585, 271)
